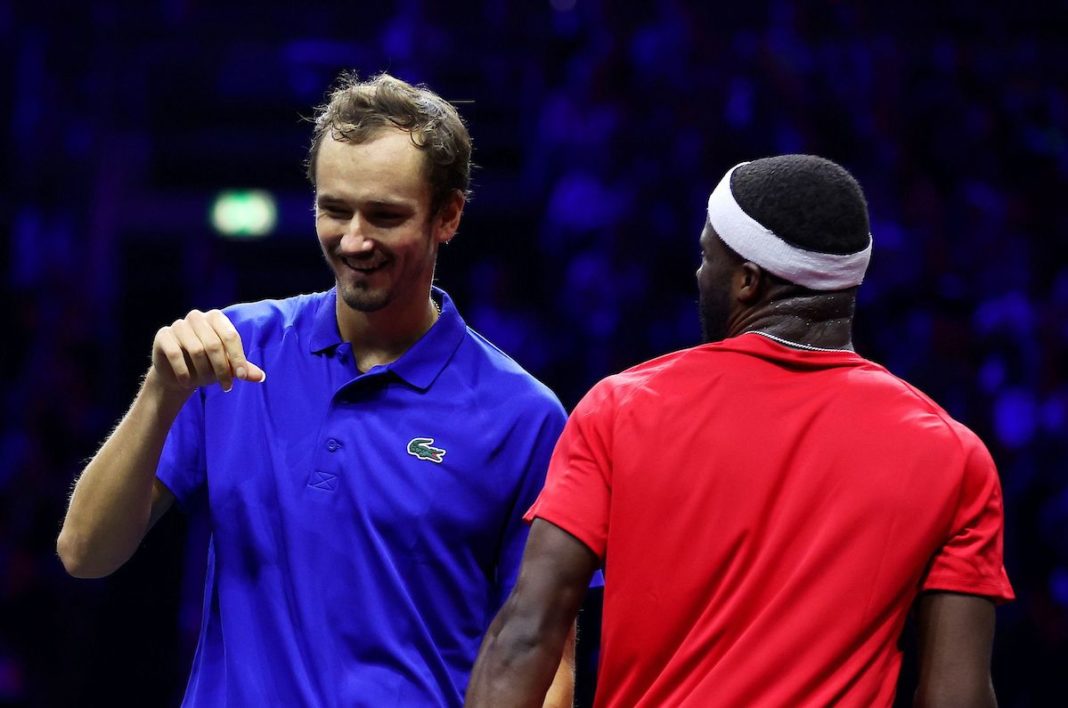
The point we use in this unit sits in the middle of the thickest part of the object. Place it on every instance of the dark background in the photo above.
(600, 128)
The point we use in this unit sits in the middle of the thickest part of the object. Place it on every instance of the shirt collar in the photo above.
(424, 360)
(325, 333)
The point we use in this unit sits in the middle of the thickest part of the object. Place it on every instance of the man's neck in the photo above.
(823, 321)
(381, 337)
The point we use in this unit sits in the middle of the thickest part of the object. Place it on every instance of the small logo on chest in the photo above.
(424, 449)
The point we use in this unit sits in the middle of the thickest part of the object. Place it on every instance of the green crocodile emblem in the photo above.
(423, 449)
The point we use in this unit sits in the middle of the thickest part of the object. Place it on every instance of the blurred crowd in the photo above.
(600, 127)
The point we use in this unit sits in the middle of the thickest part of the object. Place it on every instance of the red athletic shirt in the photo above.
(766, 517)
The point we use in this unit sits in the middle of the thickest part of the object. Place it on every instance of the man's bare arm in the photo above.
(522, 649)
(117, 497)
(956, 637)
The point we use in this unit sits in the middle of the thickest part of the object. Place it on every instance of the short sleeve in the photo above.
(182, 467)
(972, 559)
(516, 531)
(579, 484)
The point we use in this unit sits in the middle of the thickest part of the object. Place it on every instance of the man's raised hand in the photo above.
(201, 349)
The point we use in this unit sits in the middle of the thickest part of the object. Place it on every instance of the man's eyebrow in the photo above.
(331, 199)
(327, 199)
(394, 204)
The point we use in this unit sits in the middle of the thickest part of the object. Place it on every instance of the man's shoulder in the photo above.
(275, 314)
(499, 375)
(878, 399)
(657, 371)
(930, 410)
(651, 378)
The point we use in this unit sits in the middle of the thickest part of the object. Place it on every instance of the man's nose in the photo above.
(355, 238)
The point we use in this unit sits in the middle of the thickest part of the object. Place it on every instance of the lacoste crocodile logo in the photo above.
(424, 450)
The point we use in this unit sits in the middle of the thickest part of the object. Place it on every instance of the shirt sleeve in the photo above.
(516, 531)
(182, 467)
(971, 560)
(578, 487)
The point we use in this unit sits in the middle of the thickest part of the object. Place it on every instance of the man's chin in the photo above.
(363, 300)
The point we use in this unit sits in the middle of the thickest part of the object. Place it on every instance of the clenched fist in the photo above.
(201, 349)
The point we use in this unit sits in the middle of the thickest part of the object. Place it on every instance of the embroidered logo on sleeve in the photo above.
(424, 450)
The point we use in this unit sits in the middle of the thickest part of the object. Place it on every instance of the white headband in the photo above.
(753, 242)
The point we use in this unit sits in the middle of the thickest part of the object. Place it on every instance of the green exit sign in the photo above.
(241, 214)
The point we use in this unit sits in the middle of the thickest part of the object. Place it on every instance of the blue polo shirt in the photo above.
(366, 527)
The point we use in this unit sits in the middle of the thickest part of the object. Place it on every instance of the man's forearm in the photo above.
(111, 506)
(522, 649)
(517, 663)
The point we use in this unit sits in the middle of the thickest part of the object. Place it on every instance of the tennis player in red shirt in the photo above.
(768, 506)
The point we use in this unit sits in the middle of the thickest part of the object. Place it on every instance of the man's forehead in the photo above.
(385, 168)
(381, 138)
(407, 142)
(708, 234)
(712, 243)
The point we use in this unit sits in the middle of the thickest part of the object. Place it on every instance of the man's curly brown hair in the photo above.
(356, 111)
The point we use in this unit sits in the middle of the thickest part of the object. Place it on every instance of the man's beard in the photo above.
(713, 308)
(363, 300)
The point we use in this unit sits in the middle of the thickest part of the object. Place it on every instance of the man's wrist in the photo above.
(164, 400)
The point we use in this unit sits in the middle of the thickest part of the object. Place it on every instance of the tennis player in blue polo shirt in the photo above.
(364, 458)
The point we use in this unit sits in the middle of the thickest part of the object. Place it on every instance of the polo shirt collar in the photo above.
(423, 361)
(324, 332)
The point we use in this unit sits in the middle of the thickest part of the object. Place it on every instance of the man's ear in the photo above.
(748, 283)
(447, 220)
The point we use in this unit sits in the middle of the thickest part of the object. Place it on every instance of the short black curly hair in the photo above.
(808, 201)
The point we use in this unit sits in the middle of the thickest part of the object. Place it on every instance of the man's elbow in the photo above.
(75, 552)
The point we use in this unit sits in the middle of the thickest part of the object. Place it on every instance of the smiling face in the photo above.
(373, 220)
